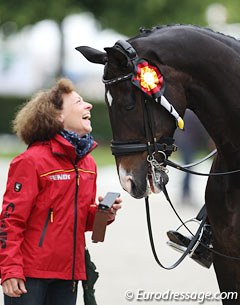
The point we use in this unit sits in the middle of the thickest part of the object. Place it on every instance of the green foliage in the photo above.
(100, 123)
(128, 16)
(25, 12)
(100, 120)
(124, 16)
(9, 106)
(102, 155)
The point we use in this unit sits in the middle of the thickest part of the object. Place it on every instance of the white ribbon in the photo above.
(164, 102)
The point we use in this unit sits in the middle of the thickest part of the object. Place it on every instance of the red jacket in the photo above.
(48, 205)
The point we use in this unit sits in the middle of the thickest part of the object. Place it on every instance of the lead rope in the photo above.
(191, 244)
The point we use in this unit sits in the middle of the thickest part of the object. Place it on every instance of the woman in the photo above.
(49, 201)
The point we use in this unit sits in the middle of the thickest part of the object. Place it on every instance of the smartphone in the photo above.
(101, 217)
(108, 201)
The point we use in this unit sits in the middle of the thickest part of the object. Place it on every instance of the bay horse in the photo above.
(150, 80)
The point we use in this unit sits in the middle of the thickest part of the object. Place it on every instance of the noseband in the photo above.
(165, 145)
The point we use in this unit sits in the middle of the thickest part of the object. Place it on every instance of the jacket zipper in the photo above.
(49, 219)
(75, 228)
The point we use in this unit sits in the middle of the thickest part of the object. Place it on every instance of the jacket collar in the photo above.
(61, 146)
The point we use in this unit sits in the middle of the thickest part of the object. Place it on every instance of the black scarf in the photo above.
(82, 145)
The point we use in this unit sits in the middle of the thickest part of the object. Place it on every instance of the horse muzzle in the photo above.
(140, 185)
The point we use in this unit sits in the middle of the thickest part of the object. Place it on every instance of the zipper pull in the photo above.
(74, 286)
(51, 216)
(77, 174)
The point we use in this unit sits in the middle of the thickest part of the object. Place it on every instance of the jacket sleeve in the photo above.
(18, 200)
(91, 215)
(92, 211)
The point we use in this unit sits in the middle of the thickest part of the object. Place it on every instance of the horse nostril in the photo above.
(127, 183)
(132, 183)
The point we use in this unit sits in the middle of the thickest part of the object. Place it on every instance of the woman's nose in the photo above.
(89, 105)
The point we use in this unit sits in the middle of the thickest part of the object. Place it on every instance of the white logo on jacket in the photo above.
(60, 177)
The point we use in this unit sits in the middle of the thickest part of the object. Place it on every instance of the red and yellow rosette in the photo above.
(150, 80)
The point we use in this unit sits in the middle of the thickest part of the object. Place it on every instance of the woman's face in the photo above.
(76, 114)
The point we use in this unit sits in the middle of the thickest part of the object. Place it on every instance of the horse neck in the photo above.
(219, 118)
(212, 62)
(214, 98)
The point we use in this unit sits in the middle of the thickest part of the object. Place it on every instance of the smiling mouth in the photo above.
(86, 116)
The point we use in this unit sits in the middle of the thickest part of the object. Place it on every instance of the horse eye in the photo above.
(129, 107)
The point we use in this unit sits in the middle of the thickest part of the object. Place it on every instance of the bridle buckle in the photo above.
(157, 167)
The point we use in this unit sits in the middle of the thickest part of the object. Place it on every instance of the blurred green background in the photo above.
(38, 40)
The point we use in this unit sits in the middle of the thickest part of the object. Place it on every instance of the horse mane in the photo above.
(196, 27)
(227, 39)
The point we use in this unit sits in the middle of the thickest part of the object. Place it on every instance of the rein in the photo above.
(210, 155)
(191, 244)
(185, 169)
(196, 238)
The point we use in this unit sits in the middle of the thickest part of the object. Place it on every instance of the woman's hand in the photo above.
(14, 287)
(113, 210)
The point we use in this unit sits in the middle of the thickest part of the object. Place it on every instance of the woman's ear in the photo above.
(61, 118)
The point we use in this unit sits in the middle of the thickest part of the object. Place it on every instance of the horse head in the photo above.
(146, 101)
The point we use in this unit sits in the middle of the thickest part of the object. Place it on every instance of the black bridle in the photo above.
(165, 145)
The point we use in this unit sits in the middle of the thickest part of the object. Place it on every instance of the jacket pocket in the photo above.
(49, 219)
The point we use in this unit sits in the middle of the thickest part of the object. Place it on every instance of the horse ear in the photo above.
(117, 57)
(93, 55)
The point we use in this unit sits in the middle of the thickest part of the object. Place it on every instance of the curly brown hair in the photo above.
(38, 119)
